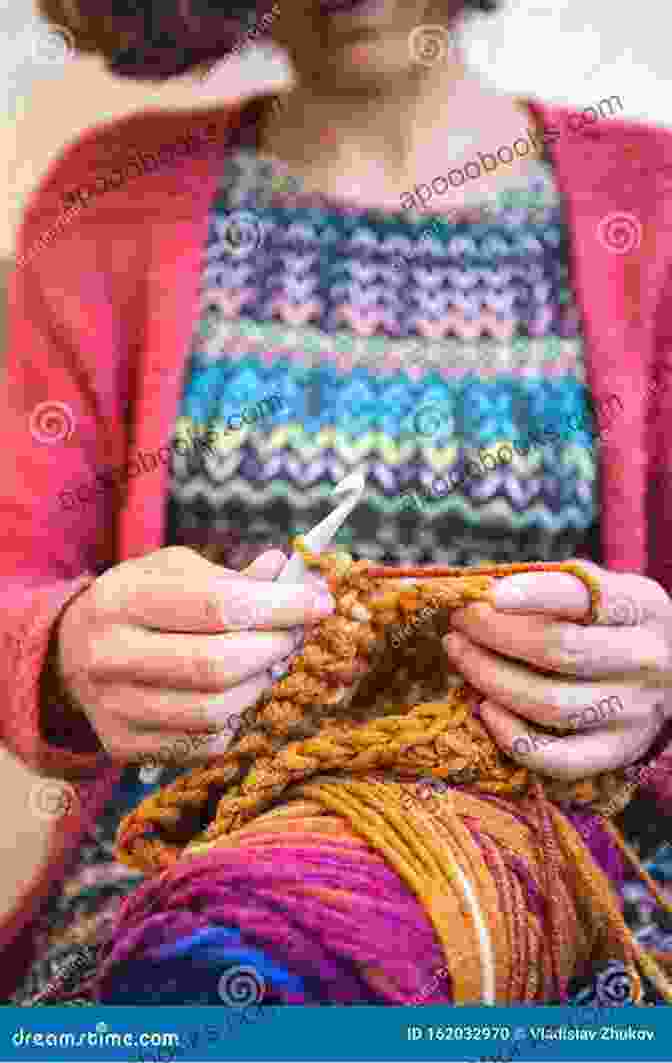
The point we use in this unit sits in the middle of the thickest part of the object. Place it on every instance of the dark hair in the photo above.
(153, 40)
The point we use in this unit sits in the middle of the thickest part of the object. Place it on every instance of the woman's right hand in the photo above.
(158, 650)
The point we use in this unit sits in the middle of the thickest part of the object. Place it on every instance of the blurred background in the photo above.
(572, 51)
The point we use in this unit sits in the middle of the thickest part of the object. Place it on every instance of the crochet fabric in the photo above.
(368, 704)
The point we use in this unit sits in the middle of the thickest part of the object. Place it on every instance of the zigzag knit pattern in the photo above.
(393, 346)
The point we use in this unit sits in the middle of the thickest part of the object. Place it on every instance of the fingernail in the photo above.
(508, 596)
(322, 603)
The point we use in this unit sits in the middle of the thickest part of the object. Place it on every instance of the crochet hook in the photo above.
(321, 535)
(316, 540)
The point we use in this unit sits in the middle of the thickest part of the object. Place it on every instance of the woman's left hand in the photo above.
(608, 681)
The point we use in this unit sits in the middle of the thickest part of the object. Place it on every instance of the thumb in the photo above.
(267, 566)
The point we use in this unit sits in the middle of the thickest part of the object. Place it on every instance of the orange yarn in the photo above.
(352, 702)
(353, 705)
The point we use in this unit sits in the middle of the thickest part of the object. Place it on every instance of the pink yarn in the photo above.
(335, 912)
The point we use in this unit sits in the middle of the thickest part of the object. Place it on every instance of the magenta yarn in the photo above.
(275, 900)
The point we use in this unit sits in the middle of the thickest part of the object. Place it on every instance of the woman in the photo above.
(318, 278)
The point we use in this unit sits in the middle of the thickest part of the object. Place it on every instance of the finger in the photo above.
(572, 649)
(171, 747)
(208, 663)
(573, 757)
(143, 710)
(204, 598)
(267, 566)
(549, 700)
(626, 599)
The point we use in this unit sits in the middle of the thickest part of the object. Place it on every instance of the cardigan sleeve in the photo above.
(76, 319)
(56, 503)
(654, 772)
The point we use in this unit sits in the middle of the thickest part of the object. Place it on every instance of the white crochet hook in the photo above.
(322, 534)
(316, 540)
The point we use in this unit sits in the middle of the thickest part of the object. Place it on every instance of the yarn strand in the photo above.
(362, 713)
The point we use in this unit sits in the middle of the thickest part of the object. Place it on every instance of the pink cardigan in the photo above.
(102, 307)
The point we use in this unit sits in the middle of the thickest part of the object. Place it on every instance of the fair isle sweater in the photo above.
(101, 326)
(442, 357)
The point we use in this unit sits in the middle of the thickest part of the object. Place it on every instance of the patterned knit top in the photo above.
(441, 357)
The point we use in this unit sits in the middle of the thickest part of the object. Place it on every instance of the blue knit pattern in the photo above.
(443, 358)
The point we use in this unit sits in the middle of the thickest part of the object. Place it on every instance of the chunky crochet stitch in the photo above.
(368, 705)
